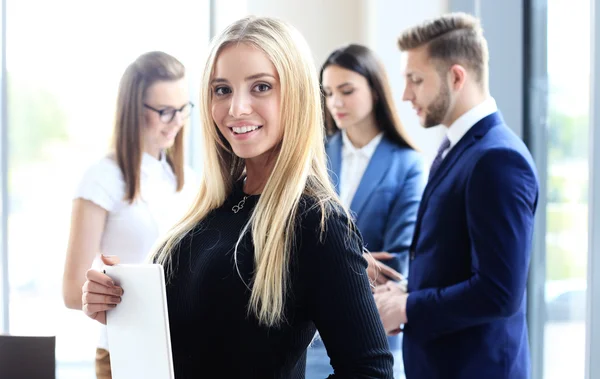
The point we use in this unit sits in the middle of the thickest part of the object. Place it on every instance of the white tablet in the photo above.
(139, 339)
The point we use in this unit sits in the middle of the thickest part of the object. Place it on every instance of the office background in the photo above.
(62, 60)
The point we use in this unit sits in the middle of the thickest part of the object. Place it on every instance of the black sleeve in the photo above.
(340, 301)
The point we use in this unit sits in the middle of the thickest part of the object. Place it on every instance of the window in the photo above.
(567, 184)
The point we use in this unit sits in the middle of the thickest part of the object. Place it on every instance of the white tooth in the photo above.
(244, 129)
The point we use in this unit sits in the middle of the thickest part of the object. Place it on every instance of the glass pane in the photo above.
(3, 268)
(65, 59)
(567, 209)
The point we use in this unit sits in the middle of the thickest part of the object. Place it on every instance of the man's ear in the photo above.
(458, 76)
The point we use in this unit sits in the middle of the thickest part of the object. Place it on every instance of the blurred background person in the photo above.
(374, 165)
(465, 313)
(129, 198)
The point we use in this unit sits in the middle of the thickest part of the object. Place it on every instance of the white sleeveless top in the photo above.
(132, 230)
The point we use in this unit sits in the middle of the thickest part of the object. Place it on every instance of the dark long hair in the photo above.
(363, 61)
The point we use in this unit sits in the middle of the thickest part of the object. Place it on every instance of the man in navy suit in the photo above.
(464, 313)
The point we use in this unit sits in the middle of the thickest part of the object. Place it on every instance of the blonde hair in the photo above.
(140, 75)
(299, 168)
(454, 38)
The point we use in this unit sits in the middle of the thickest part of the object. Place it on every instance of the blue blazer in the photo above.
(386, 202)
(469, 261)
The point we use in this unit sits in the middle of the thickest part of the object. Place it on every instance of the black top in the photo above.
(213, 332)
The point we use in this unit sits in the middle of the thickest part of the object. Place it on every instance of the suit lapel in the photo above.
(468, 140)
(376, 170)
(334, 160)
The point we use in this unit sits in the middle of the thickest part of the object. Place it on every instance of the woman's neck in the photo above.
(258, 171)
(154, 152)
(363, 132)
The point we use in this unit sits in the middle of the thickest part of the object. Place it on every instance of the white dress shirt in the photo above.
(131, 230)
(464, 123)
(354, 164)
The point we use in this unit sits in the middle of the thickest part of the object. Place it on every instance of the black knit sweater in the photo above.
(214, 336)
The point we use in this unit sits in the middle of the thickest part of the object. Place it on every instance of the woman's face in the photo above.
(172, 100)
(349, 98)
(245, 102)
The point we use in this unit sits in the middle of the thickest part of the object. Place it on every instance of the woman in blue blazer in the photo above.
(375, 167)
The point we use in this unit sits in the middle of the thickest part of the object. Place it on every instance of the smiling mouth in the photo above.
(244, 129)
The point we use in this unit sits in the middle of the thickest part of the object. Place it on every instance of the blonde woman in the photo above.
(130, 197)
(267, 256)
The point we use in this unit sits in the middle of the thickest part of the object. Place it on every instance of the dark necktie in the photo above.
(438, 158)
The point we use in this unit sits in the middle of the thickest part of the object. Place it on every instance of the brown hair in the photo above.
(454, 38)
(363, 61)
(146, 70)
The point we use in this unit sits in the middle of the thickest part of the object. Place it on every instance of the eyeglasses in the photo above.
(168, 114)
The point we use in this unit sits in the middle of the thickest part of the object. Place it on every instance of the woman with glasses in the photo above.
(127, 199)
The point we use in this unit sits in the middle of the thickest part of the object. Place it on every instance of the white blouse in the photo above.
(131, 230)
(354, 164)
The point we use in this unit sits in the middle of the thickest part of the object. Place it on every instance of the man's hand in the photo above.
(391, 304)
(378, 272)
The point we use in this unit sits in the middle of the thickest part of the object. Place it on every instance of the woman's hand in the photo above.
(378, 272)
(99, 292)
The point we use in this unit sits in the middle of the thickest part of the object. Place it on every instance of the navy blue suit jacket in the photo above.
(469, 261)
(386, 202)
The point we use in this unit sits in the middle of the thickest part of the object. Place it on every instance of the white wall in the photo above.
(328, 24)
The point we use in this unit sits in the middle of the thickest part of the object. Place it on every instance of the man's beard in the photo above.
(438, 109)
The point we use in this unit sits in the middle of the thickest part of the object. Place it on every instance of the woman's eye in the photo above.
(262, 87)
(221, 91)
